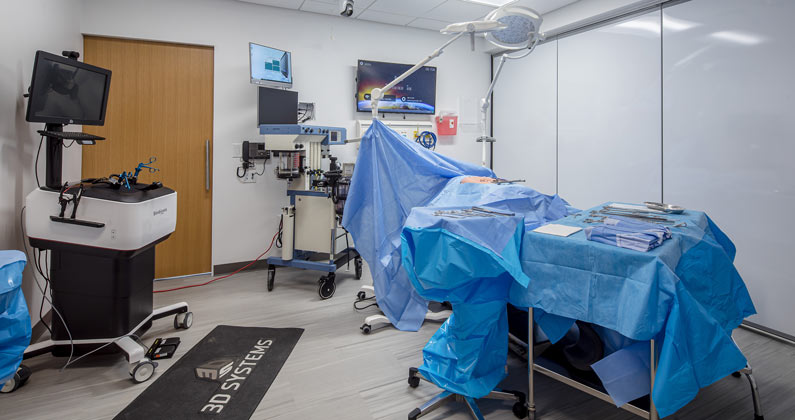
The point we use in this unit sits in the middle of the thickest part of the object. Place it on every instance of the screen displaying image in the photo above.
(414, 95)
(65, 91)
(270, 66)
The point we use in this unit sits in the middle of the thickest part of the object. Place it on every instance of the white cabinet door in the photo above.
(525, 119)
(609, 113)
(729, 144)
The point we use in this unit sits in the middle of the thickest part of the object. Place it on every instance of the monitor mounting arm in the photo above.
(378, 93)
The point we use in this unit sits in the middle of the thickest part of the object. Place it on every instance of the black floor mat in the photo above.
(223, 377)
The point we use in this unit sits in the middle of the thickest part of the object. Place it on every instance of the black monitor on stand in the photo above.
(65, 91)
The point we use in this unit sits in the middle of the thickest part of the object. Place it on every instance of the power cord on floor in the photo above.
(228, 275)
(366, 306)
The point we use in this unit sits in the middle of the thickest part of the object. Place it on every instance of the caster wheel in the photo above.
(11, 385)
(326, 287)
(19, 379)
(271, 277)
(737, 374)
(183, 320)
(361, 295)
(143, 371)
(357, 264)
(414, 381)
(366, 329)
(415, 414)
(519, 410)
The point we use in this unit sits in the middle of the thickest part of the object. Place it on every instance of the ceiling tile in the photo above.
(287, 4)
(315, 6)
(458, 11)
(434, 25)
(382, 17)
(414, 8)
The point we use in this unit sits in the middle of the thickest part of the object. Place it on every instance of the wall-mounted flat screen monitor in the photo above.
(414, 95)
(276, 106)
(270, 66)
(67, 91)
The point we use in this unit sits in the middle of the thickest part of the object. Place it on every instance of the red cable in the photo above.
(223, 277)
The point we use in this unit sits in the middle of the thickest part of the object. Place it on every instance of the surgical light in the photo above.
(509, 27)
(522, 26)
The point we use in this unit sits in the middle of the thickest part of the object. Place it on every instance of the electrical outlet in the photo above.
(250, 177)
(237, 150)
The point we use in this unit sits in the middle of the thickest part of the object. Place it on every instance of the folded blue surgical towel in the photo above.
(627, 233)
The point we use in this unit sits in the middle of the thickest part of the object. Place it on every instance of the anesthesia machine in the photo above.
(317, 186)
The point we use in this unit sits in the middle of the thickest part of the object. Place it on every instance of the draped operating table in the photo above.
(675, 306)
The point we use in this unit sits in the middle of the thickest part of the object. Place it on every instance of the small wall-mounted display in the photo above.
(414, 95)
(270, 66)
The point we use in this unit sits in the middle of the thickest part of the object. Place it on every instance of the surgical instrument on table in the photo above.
(483, 210)
(667, 208)
(500, 181)
(633, 214)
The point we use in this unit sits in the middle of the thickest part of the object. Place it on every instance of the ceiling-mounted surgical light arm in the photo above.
(521, 33)
(485, 102)
(378, 93)
(460, 29)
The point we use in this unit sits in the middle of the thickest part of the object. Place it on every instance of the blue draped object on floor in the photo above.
(472, 262)
(392, 176)
(14, 318)
(685, 293)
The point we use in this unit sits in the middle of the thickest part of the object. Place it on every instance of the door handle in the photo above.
(207, 165)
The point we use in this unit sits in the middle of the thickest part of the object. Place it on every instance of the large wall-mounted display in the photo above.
(415, 95)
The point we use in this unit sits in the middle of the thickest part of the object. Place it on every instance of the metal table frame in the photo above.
(650, 414)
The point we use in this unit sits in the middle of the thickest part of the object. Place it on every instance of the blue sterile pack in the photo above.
(15, 328)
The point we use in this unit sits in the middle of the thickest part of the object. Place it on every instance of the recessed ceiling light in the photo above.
(492, 3)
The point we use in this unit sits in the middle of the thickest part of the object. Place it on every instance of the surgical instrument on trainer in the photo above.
(484, 210)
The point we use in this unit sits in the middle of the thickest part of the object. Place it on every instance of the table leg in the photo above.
(652, 409)
(531, 398)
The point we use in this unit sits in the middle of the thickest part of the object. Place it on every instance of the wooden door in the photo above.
(160, 105)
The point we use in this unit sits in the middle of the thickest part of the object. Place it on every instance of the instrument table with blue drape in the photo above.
(686, 294)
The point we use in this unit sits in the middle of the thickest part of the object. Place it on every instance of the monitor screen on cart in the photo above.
(66, 91)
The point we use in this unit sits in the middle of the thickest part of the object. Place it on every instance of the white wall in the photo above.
(325, 51)
(27, 26)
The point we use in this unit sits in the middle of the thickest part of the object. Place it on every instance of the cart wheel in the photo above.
(20, 377)
(361, 295)
(520, 410)
(271, 277)
(366, 329)
(24, 373)
(143, 371)
(415, 414)
(183, 320)
(357, 264)
(326, 286)
(736, 374)
(414, 381)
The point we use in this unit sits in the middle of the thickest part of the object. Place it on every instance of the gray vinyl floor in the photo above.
(335, 372)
